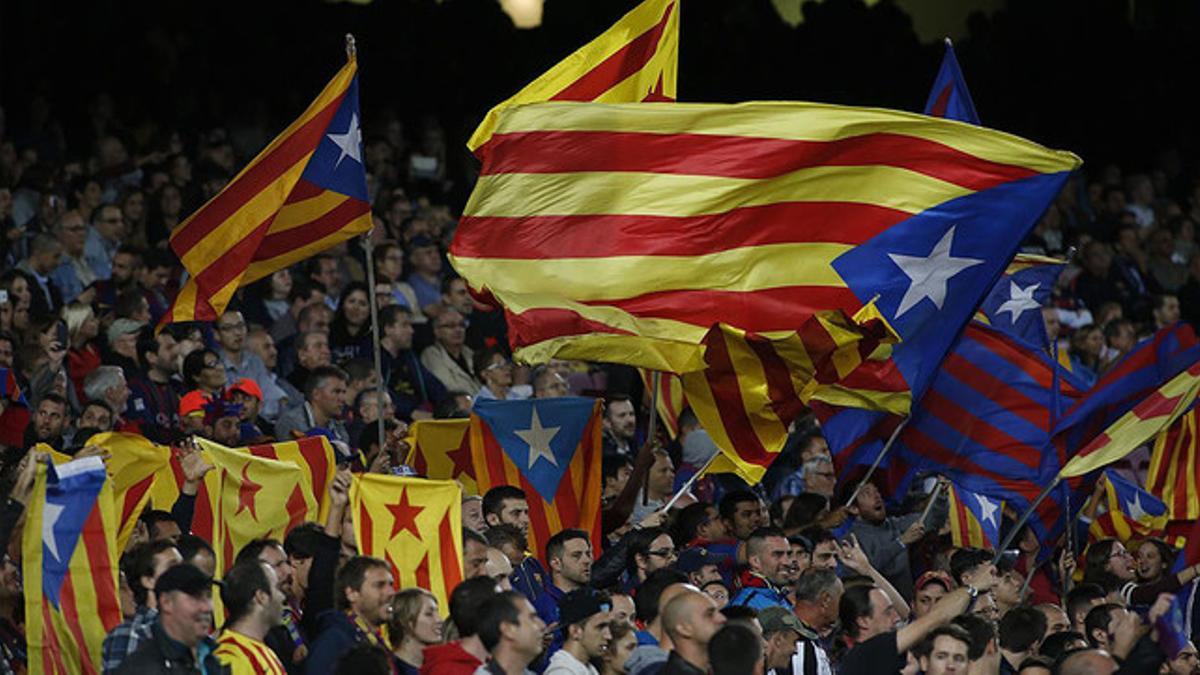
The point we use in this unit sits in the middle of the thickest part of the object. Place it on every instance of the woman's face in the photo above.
(391, 266)
(618, 653)
(19, 292)
(90, 328)
(356, 309)
(281, 283)
(428, 627)
(1149, 562)
(212, 378)
(499, 372)
(170, 201)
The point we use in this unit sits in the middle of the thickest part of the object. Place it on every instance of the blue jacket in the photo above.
(530, 579)
(761, 597)
(336, 635)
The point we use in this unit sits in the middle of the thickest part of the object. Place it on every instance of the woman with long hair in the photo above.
(350, 332)
(1087, 349)
(389, 270)
(414, 625)
(620, 646)
(265, 300)
(1155, 558)
(1110, 565)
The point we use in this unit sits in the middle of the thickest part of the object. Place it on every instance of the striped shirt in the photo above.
(246, 656)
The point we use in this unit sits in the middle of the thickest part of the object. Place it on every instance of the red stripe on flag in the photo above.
(231, 264)
(256, 177)
(297, 507)
(96, 544)
(995, 389)
(784, 401)
(566, 502)
(767, 309)
(496, 458)
(52, 654)
(982, 432)
(70, 612)
(539, 526)
(366, 535)
(422, 573)
(451, 564)
(134, 495)
(737, 156)
(304, 190)
(202, 518)
(943, 101)
(727, 394)
(278, 243)
(601, 236)
(535, 325)
(613, 70)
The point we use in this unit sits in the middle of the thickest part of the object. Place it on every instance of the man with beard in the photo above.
(253, 606)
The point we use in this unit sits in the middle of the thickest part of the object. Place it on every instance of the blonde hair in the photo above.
(406, 606)
(75, 315)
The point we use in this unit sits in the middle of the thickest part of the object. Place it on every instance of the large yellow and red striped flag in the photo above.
(550, 448)
(441, 450)
(416, 525)
(755, 386)
(624, 232)
(1146, 420)
(1174, 475)
(306, 192)
(637, 59)
(671, 399)
(69, 560)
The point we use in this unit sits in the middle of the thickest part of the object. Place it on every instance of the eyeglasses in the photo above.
(452, 326)
(232, 327)
(664, 553)
(497, 366)
(211, 364)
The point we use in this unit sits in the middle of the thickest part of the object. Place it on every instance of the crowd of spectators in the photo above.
(800, 574)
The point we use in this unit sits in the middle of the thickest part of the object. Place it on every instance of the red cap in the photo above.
(193, 402)
(246, 386)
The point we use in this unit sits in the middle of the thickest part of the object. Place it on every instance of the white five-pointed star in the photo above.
(349, 142)
(928, 276)
(988, 508)
(50, 515)
(1019, 300)
(1135, 508)
(538, 438)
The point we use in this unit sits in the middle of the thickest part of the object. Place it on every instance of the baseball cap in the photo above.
(581, 604)
(694, 559)
(934, 577)
(193, 402)
(186, 578)
(123, 327)
(777, 619)
(246, 386)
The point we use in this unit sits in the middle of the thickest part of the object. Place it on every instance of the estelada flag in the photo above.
(949, 97)
(441, 450)
(671, 399)
(1174, 474)
(69, 561)
(1130, 512)
(974, 518)
(634, 60)
(304, 193)
(133, 463)
(415, 524)
(550, 448)
(314, 456)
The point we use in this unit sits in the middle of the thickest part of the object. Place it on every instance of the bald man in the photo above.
(498, 567)
(1088, 662)
(690, 619)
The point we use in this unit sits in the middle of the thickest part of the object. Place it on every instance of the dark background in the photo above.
(1112, 80)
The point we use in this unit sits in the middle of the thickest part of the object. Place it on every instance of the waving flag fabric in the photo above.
(1130, 512)
(306, 192)
(1147, 419)
(984, 423)
(634, 60)
(624, 232)
(671, 399)
(550, 448)
(950, 97)
(441, 449)
(974, 519)
(69, 561)
(1174, 474)
(1015, 303)
(416, 526)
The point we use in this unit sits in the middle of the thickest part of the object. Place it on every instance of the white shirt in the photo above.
(564, 663)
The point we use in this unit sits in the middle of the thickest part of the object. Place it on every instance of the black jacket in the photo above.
(161, 654)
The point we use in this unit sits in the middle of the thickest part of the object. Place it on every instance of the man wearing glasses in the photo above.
(241, 363)
(103, 239)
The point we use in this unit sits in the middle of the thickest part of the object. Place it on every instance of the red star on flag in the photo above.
(462, 460)
(404, 516)
(246, 494)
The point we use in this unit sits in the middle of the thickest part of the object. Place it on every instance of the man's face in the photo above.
(474, 559)
(50, 419)
(231, 332)
(948, 656)
(373, 599)
(621, 419)
(123, 267)
(472, 515)
(824, 556)
(187, 617)
(774, 560)
(550, 385)
(126, 345)
(6, 351)
(662, 474)
(427, 260)
(316, 351)
(401, 331)
(883, 616)
(926, 598)
(661, 553)
(275, 558)
(801, 560)
(1167, 313)
(623, 609)
(747, 517)
(575, 564)
(515, 512)
(330, 397)
(109, 223)
(450, 329)
(526, 634)
(1186, 663)
(870, 504)
(328, 274)
(1056, 619)
(165, 529)
(166, 357)
(499, 568)
(596, 635)
(95, 417)
(263, 345)
(713, 528)
(118, 395)
(821, 480)
(72, 233)
(457, 297)
(704, 575)
(226, 431)
(707, 621)
(1010, 590)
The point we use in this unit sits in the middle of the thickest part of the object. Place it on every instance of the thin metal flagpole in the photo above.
(652, 429)
(690, 482)
(882, 453)
(376, 336)
(1012, 534)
